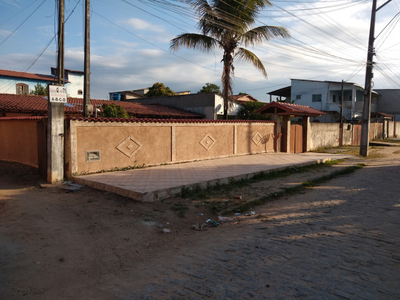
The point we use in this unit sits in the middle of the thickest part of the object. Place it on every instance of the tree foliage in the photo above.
(247, 112)
(159, 89)
(39, 90)
(229, 25)
(210, 88)
(114, 111)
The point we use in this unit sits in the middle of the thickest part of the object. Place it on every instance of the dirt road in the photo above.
(339, 240)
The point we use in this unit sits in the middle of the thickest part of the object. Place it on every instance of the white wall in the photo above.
(74, 85)
(8, 85)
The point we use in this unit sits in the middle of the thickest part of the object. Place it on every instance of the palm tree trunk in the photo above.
(226, 82)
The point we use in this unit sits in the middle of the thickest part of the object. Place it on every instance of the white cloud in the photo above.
(140, 24)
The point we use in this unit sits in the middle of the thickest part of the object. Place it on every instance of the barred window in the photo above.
(316, 97)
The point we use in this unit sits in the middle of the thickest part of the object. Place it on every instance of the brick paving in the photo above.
(338, 241)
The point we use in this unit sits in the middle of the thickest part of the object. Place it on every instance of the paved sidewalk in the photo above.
(160, 182)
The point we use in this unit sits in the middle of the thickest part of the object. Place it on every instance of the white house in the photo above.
(326, 96)
(13, 82)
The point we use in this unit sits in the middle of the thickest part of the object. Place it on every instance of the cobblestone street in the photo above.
(338, 241)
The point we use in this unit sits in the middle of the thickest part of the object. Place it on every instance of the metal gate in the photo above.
(296, 138)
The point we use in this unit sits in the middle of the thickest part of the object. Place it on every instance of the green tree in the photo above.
(114, 111)
(210, 88)
(247, 112)
(227, 25)
(159, 89)
(39, 90)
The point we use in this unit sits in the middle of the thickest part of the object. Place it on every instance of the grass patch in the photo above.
(396, 152)
(180, 209)
(200, 193)
(293, 190)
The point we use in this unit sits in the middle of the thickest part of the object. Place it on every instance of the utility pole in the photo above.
(366, 117)
(87, 108)
(341, 118)
(60, 57)
(364, 145)
(57, 96)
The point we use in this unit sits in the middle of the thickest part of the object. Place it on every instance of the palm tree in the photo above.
(228, 24)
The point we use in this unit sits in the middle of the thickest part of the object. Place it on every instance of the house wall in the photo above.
(18, 140)
(389, 102)
(8, 84)
(139, 143)
(75, 84)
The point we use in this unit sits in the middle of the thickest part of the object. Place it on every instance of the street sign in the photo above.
(57, 94)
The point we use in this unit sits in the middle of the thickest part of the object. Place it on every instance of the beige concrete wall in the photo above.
(391, 129)
(138, 143)
(18, 141)
(324, 135)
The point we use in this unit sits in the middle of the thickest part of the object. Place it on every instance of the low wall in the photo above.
(326, 135)
(93, 145)
(18, 140)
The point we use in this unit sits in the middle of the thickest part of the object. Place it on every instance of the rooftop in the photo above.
(38, 105)
(26, 75)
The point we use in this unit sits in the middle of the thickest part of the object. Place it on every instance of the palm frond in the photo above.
(194, 41)
(263, 33)
(248, 56)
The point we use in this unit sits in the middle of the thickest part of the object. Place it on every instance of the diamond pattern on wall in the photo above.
(129, 146)
(207, 141)
(257, 138)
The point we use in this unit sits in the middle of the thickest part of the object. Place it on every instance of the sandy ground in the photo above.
(57, 244)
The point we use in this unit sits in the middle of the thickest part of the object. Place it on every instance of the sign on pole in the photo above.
(57, 94)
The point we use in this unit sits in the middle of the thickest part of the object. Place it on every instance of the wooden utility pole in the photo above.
(341, 118)
(60, 57)
(87, 108)
(366, 117)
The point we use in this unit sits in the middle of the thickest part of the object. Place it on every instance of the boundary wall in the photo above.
(95, 145)
(19, 140)
(326, 135)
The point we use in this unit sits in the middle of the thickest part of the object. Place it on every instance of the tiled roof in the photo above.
(38, 105)
(284, 108)
(243, 98)
(22, 118)
(166, 120)
(26, 75)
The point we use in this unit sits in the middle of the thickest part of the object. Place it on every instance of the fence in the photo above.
(96, 145)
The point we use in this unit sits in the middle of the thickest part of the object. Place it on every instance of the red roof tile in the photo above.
(26, 75)
(165, 120)
(38, 105)
(284, 108)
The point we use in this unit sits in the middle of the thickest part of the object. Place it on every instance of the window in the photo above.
(334, 98)
(22, 89)
(316, 97)
(298, 97)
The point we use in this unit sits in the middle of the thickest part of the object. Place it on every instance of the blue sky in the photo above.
(130, 44)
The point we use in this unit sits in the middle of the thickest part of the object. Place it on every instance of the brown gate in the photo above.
(356, 135)
(296, 138)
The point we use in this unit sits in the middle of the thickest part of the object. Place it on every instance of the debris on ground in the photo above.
(237, 214)
(251, 213)
(166, 230)
(224, 219)
(197, 227)
(212, 222)
(71, 186)
(239, 197)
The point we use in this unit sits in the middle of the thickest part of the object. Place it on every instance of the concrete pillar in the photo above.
(55, 142)
(306, 134)
(277, 132)
(286, 134)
